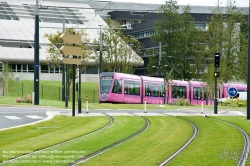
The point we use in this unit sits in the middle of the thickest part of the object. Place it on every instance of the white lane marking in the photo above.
(34, 117)
(12, 117)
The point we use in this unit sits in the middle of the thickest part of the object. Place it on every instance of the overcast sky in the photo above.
(240, 3)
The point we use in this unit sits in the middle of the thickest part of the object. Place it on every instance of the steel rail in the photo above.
(111, 146)
(196, 132)
(244, 154)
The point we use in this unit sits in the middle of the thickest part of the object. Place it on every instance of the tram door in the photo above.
(126, 88)
(148, 92)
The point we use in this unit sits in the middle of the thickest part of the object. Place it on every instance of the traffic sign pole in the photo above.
(75, 52)
(215, 94)
(232, 92)
(216, 75)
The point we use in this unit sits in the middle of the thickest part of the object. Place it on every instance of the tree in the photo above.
(121, 53)
(187, 43)
(175, 31)
(241, 65)
(225, 36)
(7, 76)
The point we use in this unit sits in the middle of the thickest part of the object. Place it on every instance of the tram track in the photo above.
(61, 143)
(244, 154)
(113, 145)
(196, 132)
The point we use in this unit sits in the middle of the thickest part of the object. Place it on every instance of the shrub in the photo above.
(182, 102)
(24, 99)
(235, 102)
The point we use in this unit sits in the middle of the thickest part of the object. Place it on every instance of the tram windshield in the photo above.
(106, 82)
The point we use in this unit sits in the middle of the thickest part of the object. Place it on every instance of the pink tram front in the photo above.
(128, 88)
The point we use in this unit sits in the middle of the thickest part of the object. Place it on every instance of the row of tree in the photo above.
(189, 50)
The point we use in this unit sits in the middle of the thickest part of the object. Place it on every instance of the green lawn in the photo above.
(52, 90)
(241, 122)
(213, 140)
(122, 128)
(165, 135)
(48, 133)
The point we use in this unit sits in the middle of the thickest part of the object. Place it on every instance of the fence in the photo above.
(52, 92)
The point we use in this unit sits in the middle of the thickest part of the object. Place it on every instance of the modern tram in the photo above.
(127, 88)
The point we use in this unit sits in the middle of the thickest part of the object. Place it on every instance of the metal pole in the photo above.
(67, 86)
(79, 93)
(36, 56)
(215, 94)
(159, 67)
(63, 72)
(100, 63)
(73, 89)
(248, 67)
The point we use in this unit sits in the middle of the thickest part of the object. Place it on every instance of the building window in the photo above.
(25, 68)
(19, 68)
(30, 68)
(44, 69)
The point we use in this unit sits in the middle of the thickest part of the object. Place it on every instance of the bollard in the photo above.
(202, 106)
(87, 104)
(145, 103)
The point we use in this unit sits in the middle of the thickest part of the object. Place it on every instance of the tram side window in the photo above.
(117, 87)
(155, 90)
(179, 92)
(134, 88)
(147, 89)
(126, 87)
(197, 93)
(162, 90)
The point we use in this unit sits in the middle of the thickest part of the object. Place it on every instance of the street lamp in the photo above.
(100, 63)
(159, 69)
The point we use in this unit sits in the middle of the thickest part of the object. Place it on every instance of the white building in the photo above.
(17, 33)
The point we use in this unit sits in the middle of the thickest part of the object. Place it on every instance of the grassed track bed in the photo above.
(165, 135)
(64, 154)
(47, 133)
(215, 138)
(241, 122)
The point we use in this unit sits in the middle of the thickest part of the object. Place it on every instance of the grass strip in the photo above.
(244, 124)
(165, 135)
(16, 142)
(214, 139)
(67, 153)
